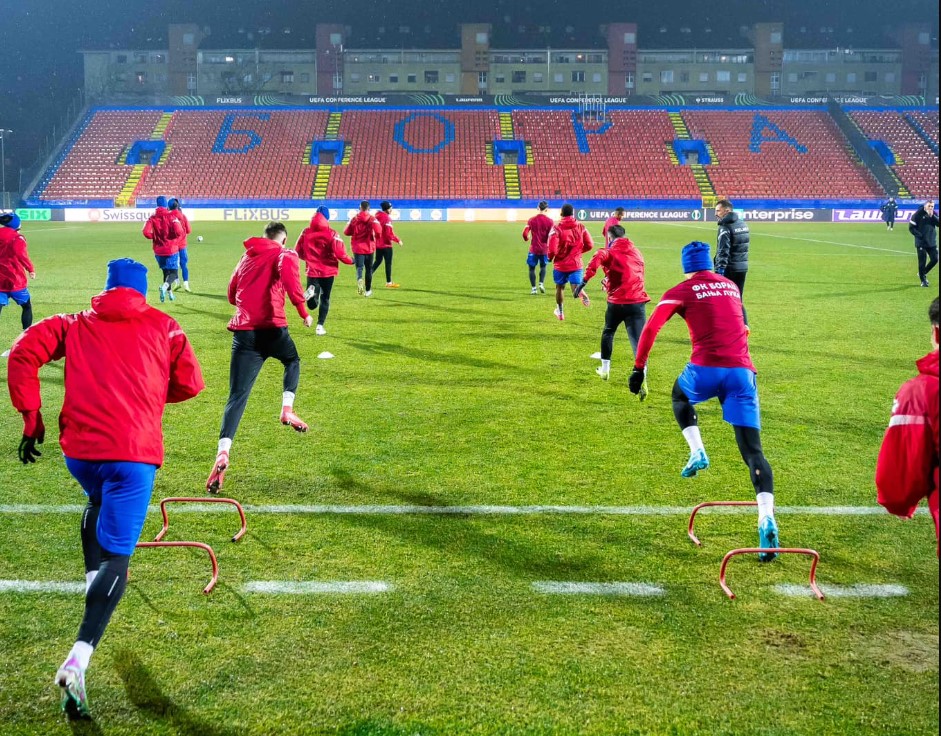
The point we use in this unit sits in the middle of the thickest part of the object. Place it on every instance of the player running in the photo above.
(623, 266)
(125, 360)
(720, 367)
(613, 221)
(538, 227)
(364, 231)
(266, 273)
(15, 266)
(384, 244)
(164, 229)
(323, 250)
(568, 240)
(177, 209)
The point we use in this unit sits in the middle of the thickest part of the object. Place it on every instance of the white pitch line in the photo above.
(860, 590)
(40, 586)
(641, 590)
(405, 510)
(311, 587)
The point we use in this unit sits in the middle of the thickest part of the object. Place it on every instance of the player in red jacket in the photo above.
(568, 240)
(613, 221)
(125, 361)
(907, 470)
(720, 367)
(384, 244)
(364, 232)
(538, 228)
(164, 229)
(323, 250)
(15, 266)
(264, 276)
(176, 208)
(623, 266)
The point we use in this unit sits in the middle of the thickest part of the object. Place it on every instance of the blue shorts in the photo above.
(20, 297)
(168, 263)
(736, 389)
(532, 260)
(562, 278)
(123, 491)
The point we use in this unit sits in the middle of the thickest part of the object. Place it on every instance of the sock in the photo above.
(225, 444)
(81, 651)
(287, 400)
(765, 505)
(605, 365)
(693, 439)
(90, 578)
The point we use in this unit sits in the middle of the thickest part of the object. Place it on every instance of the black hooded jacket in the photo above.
(732, 244)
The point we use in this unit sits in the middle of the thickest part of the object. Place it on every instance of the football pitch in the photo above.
(401, 572)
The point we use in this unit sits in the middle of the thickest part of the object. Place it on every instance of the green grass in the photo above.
(461, 388)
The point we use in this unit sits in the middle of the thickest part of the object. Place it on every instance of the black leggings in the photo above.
(323, 286)
(927, 260)
(738, 278)
(250, 350)
(363, 263)
(170, 276)
(748, 439)
(633, 316)
(384, 255)
(105, 592)
(26, 318)
(532, 275)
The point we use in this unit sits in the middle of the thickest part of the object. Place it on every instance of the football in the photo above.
(199, 238)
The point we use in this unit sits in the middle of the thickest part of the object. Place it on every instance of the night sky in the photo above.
(40, 70)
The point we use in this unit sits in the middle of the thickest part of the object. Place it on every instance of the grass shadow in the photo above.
(85, 727)
(374, 346)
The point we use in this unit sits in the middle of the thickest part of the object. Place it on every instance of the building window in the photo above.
(596, 77)
(372, 77)
(558, 78)
(120, 59)
(776, 37)
(189, 39)
(629, 80)
(482, 80)
(499, 78)
(830, 77)
(431, 77)
(775, 83)
(723, 76)
(630, 39)
(666, 76)
(792, 77)
(158, 59)
(742, 77)
(482, 39)
(412, 79)
(287, 77)
(393, 79)
(538, 78)
(703, 76)
(870, 77)
(578, 76)
(140, 77)
(140, 58)
(355, 77)
(336, 39)
(850, 77)
(890, 77)
(190, 82)
(449, 78)
(519, 77)
(305, 77)
(647, 77)
(684, 76)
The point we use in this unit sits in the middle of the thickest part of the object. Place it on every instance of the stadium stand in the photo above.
(916, 164)
(786, 154)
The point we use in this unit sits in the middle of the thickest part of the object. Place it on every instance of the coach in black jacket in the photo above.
(923, 226)
(731, 258)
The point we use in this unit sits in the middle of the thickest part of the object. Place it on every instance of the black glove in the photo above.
(27, 451)
(579, 289)
(636, 380)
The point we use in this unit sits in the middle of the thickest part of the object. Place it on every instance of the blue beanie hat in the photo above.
(11, 220)
(127, 273)
(324, 210)
(696, 257)
(161, 201)
(174, 204)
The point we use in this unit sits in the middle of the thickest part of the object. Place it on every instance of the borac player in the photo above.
(721, 368)
(537, 229)
(613, 221)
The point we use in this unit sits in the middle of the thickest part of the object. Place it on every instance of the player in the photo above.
(568, 240)
(323, 250)
(907, 470)
(125, 360)
(623, 266)
(732, 246)
(538, 228)
(612, 221)
(266, 273)
(384, 244)
(889, 210)
(364, 232)
(720, 367)
(923, 226)
(164, 229)
(15, 266)
(176, 208)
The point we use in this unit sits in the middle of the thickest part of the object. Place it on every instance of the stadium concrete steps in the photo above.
(126, 197)
(921, 132)
(511, 172)
(322, 179)
(160, 129)
(706, 190)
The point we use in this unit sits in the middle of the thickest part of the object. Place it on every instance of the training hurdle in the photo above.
(780, 551)
(709, 504)
(212, 558)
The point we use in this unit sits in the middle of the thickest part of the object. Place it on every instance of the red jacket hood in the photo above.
(118, 304)
(568, 223)
(257, 246)
(928, 366)
(622, 244)
(364, 216)
(319, 222)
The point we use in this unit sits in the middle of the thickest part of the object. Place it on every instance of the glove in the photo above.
(579, 289)
(34, 433)
(636, 380)
(720, 271)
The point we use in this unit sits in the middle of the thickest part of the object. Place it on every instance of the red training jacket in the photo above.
(907, 469)
(608, 224)
(184, 223)
(266, 273)
(567, 241)
(539, 227)
(164, 229)
(712, 307)
(388, 236)
(14, 260)
(124, 361)
(364, 230)
(623, 264)
(321, 248)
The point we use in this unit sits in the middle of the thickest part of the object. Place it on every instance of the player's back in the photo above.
(539, 228)
(256, 289)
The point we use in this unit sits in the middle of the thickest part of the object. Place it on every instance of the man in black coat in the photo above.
(923, 226)
(889, 210)
(732, 245)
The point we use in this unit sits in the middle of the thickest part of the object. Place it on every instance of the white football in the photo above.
(199, 238)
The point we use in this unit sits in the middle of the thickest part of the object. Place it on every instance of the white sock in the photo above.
(765, 505)
(89, 579)
(693, 439)
(606, 365)
(287, 399)
(81, 651)
(225, 444)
